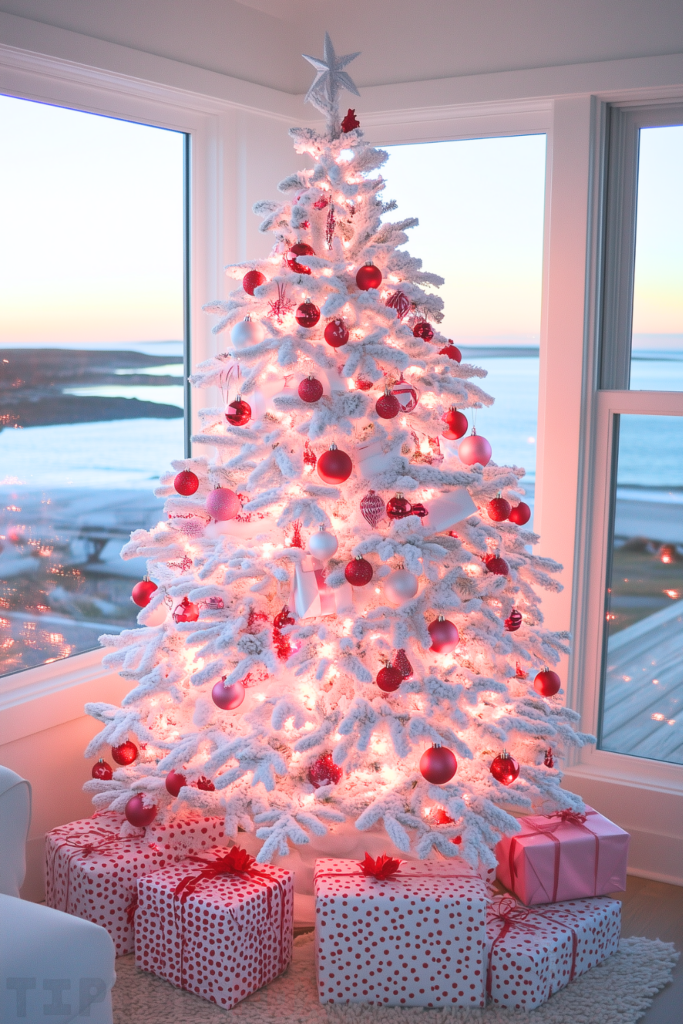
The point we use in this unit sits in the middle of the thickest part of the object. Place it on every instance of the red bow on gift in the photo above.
(381, 868)
(235, 862)
(569, 816)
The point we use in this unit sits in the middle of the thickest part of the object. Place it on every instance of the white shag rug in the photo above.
(618, 991)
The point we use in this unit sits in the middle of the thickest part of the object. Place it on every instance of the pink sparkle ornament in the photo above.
(227, 698)
(475, 449)
(223, 504)
(444, 634)
(372, 508)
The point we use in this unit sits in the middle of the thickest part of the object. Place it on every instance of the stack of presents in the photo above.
(210, 920)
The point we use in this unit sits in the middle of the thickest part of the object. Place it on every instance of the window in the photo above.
(640, 428)
(92, 349)
(482, 230)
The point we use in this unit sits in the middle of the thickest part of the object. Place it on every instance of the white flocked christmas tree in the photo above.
(329, 629)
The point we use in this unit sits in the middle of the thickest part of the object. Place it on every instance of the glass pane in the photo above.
(91, 367)
(482, 230)
(657, 345)
(643, 674)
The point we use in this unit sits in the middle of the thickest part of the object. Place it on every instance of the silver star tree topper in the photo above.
(329, 82)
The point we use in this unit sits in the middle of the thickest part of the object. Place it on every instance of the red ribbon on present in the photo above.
(515, 915)
(84, 844)
(381, 868)
(235, 862)
(130, 910)
(567, 817)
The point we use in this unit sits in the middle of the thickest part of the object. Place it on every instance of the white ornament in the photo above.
(323, 544)
(329, 81)
(156, 616)
(246, 332)
(400, 586)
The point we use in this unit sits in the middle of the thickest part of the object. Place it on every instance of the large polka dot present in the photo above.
(416, 938)
(536, 951)
(218, 925)
(91, 866)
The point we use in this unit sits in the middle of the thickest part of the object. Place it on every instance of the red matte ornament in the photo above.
(402, 664)
(252, 280)
(308, 314)
(142, 592)
(398, 507)
(102, 770)
(299, 249)
(504, 768)
(497, 565)
(387, 406)
(138, 814)
(514, 621)
(358, 572)
(438, 765)
(336, 333)
(228, 697)
(381, 867)
(452, 351)
(238, 413)
(498, 509)
(334, 466)
(205, 784)
(547, 683)
(175, 782)
(324, 772)
(369, 277)
(475, 449)
(456, 424)
(350, 122)
(223, 504)
(444, 634)
(186, 611)
(125, 753)
(423, 329)
(310, 390)
(389, 679)
(186, 482)
(520, 514)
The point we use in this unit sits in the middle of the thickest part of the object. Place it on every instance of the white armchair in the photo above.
(50, 963)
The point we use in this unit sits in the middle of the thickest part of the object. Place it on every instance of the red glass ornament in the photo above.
(407, 394)
(281, 642)
(334, 466)
(299, 249)
(238, 413)
(102, 770)
(324, 771)
(336, 333)
(310, 390)
(513, 623)
(387, 406)
(438, 765)
(186, 611)
(441, 818)
(142, 593)
(504, 768)
(125, 753)
(498, 509)
(363, 385)
(497, 565)
(228, 697)
(423, 329)
(186, 482)
(398, 507)
(444, 634)
(138, 814)
(175, 782)
(350, 122)
(252, 280)
(547, 683)
(456, 424)
(205, 784)
(358, 572)
(389, 679)
(402, 664)
(475, 449)
(307, 314)
(372, 508)
(419, 510)
(549, 760)
(368, 277)
(520, 514)
(452, 351)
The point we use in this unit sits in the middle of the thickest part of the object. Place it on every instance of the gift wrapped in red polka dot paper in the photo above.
(91, 868)
(218, 925)
(416, 938)
(536, 951)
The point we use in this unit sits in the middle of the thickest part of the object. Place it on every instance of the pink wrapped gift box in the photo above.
(91, 870)
(537, 951)
(563, 856)
(213, 930)
(416, 939)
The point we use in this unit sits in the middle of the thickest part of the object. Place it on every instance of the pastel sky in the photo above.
(91, 221)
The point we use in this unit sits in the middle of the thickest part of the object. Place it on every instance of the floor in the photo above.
(655, 910)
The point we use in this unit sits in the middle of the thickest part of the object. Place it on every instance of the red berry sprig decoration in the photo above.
(102, 770)
(389, 679)
(310, 389)
(387, 406)
(334, 466)
(186, 482)
(504, 768)
(324, 772)
(205, 784)
(438, 765)
(423, 329)
(307, 314)
(498, 509)
(520, 514)
(336, 334)
(238, 413)
(252, 280)
(369, 276)
(350, 122)
(125, 753)
(142, 592)
(514, 621)
(358, 572)
(547, 683)
(444, 634)
(456, 424)
(175, 782)
(299, 249)
(138, 814)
